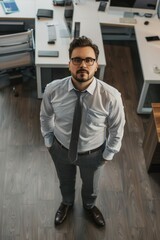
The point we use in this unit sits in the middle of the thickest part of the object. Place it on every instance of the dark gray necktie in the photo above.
(72, 153)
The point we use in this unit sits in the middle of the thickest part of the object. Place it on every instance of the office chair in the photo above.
(16, 53)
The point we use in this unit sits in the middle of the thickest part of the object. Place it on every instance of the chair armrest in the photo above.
(16, 52)
(13, 44)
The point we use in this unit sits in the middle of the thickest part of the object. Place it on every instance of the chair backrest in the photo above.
(16, 50)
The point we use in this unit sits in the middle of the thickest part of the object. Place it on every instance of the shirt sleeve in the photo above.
(116, 122)
(47, 119)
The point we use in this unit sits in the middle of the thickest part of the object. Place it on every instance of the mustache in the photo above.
(82, 70)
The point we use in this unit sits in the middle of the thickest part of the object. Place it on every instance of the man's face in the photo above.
(83, 71)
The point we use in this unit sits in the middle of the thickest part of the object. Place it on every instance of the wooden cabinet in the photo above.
(151, 144)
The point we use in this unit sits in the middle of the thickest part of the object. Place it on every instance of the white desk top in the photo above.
(61, 44)
(26, 10)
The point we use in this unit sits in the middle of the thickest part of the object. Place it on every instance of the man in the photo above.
(101, 119)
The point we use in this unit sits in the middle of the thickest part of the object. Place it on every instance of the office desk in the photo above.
(18, 21)
(149, 53)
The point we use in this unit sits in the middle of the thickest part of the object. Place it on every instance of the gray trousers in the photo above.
(90, 167)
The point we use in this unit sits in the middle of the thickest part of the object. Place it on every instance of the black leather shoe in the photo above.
(96, 216)
(61, 213)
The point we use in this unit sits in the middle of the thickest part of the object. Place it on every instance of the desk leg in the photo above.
(39, 89)
(140, 108)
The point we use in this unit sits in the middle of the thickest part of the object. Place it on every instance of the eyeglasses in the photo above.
(88, 61)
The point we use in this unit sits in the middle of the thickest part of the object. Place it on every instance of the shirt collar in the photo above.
(90, 88)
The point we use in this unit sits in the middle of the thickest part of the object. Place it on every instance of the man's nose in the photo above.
(83, 63)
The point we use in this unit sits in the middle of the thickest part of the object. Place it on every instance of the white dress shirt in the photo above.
(103, 116)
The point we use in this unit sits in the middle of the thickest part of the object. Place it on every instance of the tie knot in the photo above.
(78, 93)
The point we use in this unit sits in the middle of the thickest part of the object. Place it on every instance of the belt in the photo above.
(81, 153)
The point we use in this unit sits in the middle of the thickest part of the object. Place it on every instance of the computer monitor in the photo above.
(140, 7)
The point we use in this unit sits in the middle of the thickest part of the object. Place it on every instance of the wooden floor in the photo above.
(29, 194)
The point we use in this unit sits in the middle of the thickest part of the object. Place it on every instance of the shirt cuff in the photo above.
(48, 140)
(108, 155)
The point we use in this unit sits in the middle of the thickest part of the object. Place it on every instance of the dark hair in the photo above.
(83, 42)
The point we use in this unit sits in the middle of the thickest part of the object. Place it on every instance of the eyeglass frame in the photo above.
(83, 59)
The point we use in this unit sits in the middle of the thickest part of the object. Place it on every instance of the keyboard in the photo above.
(128, 20)
(52, 36)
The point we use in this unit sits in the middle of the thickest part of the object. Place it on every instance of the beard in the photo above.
(82, 75)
